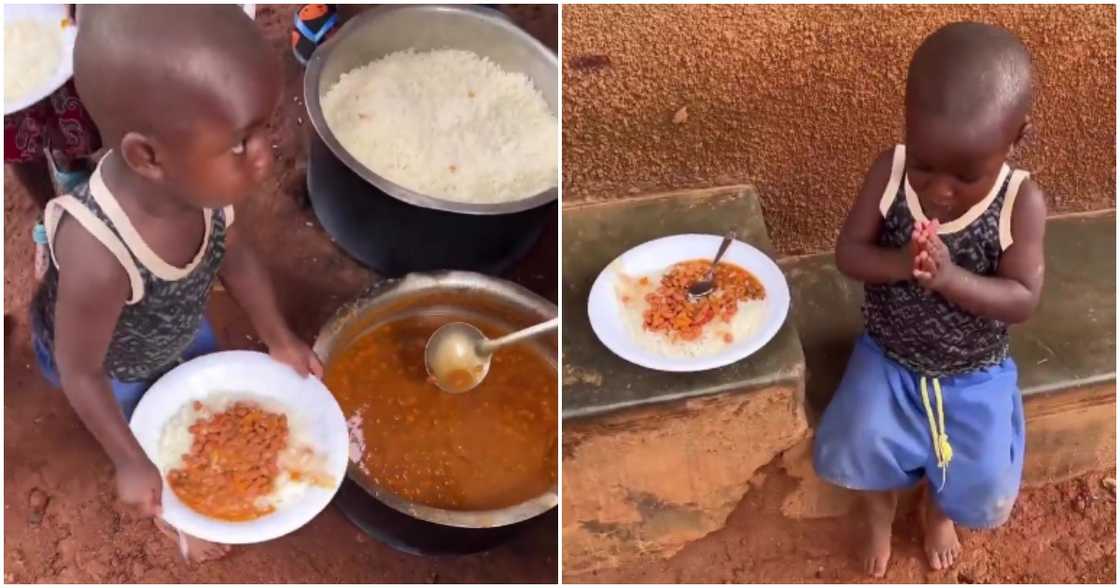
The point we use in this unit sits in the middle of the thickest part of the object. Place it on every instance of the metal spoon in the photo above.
(703, 287)
(457, 355)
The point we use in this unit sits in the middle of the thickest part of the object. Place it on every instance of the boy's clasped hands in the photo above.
(933, 266)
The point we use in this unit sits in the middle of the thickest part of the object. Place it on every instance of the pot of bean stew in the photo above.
(431, 471)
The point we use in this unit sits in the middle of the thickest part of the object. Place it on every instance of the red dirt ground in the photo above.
(1060, 534)
(62, 523)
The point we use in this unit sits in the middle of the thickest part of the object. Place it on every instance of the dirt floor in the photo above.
(62, 523)
(1061, 534)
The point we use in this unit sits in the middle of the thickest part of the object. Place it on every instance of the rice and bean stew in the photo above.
(232, 463)
(672, 313)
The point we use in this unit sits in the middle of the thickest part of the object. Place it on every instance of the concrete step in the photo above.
(1066, 352)
(654, 460)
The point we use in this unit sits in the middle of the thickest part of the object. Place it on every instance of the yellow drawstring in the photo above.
(940, 436)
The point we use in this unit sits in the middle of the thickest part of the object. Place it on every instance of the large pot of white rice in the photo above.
(452, 108)
(436, 140)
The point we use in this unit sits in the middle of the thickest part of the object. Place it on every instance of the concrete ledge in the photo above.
(595, 380)
(654, 460)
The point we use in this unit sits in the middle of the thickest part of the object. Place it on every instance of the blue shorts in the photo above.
(128, 394)
(876, 435)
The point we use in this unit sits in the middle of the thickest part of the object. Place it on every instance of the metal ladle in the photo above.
(458, 355)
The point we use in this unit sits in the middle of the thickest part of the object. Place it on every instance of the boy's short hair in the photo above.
(973, 73)
(156, 68)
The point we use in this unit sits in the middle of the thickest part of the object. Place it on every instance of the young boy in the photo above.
(948, 240)
(182, 96)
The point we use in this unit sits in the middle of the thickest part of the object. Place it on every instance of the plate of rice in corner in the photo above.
(38, 52)
(639, 307)
(249, 450)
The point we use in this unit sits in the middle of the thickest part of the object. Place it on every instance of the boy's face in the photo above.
(228, 154)
(951, 167)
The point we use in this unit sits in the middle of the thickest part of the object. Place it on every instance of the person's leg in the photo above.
(35, 177)
(192, 548)
(941, 543)
(46, 361)
(985, 428)
(128, 394)
(880, 508)
(871, 439)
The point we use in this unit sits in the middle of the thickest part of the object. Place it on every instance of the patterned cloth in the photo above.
(153, 332)
(921, 329)
(59, 122)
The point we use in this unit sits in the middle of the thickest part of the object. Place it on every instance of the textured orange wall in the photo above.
(799, 100)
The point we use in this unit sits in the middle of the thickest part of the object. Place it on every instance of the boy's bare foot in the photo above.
(880, 515)
(197, 550)
(878, 551)
(941, 543)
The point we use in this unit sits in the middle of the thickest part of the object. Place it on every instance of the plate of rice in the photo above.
(640, 309)
(38, 52)
(249, 451)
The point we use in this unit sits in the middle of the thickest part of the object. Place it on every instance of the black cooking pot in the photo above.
(419, 537)
(390, 227)
(394, 237)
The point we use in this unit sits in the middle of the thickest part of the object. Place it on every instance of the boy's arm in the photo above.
(858, 254)
(1012, 294)
(92, 291)
(248, 282)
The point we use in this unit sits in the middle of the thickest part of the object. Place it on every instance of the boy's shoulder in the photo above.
(1030, 191)
(1028, 211)
(78, 252)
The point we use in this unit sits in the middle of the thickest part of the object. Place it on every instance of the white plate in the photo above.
(605, 310)
(51, 14)
(254, 374)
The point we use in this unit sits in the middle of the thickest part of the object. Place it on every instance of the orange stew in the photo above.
(491, 447)
(671, 312)
(232, 462)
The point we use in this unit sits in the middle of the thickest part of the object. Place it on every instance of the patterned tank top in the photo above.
(166, 303)
(921, 329)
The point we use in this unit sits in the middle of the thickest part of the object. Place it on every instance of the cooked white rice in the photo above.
(176, 439)
(447, 124)
(32, 53)
(632, 299)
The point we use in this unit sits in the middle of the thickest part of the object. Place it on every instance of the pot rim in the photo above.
(313, 76)
(420, 282)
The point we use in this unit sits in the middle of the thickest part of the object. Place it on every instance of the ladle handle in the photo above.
(488, 347)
